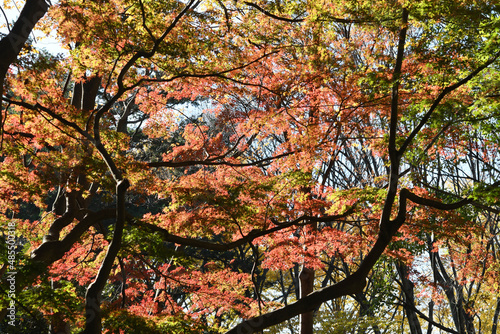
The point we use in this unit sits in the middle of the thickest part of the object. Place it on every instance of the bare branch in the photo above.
(262, 10)
(216, 161)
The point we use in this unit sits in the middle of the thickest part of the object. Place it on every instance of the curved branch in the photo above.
(352, 284)
(473, 202)
(405, 194)
(220, 74)
(279, 18)
(39, 108)
(252, 235)
(297, 20)
(436, 204)
(122, 89)
(214, 162)
(440, 97)
(66, 219)
(6, 19)
(394, 155)
(52, 250)
(148, 54)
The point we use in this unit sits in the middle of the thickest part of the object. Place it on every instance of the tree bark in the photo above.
(495, 318)
(306, 287)
(85, 93)
(409, 299)
(92, 297)
(366, 310)
(462, 320)
(123, 121)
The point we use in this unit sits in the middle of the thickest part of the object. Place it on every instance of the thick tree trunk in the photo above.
(85, 93)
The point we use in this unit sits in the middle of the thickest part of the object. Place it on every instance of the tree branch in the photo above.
(440, 97)
(252, 235)
(353, 283)
(214, 162)
(39, 108)
(52, 250)
(265, 12)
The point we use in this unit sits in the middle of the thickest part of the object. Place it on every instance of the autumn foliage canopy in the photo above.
(214, 166)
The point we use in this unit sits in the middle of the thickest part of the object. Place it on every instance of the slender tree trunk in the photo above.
(431, 315)
(409, 299)
(462, 320)
(306, 287)
(93, 314)
(306, 278)
(366, 310)
(495, 318)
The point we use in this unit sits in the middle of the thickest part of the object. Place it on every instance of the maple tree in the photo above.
(213, 166)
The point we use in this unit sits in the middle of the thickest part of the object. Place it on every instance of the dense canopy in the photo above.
(214, 166)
